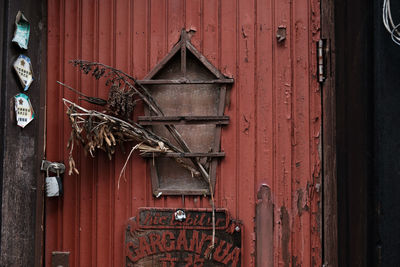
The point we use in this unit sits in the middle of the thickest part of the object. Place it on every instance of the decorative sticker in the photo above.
(23, 67)
(23, 110)
(22, 29)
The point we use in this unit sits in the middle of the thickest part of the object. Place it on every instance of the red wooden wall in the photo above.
(273, 137)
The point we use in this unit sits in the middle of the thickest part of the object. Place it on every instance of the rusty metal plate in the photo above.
(60, 258)
(172, 237)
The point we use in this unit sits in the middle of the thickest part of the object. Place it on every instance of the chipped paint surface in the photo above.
(274, 107)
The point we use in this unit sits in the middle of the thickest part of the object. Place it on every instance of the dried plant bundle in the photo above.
(96, 130)
(124, 84)
(105, 130)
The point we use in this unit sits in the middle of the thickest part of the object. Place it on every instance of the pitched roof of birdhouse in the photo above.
(182, 49)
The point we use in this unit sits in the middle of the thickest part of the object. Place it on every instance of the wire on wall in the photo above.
(389, 24)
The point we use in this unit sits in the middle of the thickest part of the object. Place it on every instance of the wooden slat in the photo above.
(171, 193)
(264, 227)
(192, 22)
(228, 178)
(122, 193)
(209, 57)
(175, 23)
(315, 126)
(55, 66)
(183, 52)
(166, 120)
(245, 94)
(140, 180)
(105, 186)
(69, 207)
(183, 155)
(283, 86)
(87, 211)
(330, 197)
(219, 81)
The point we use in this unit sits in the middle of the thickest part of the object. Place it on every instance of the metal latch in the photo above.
(321, 60)
(54, 167)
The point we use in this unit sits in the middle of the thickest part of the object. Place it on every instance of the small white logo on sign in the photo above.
(23, 110)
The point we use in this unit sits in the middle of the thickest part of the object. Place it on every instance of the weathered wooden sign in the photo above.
(173, 238)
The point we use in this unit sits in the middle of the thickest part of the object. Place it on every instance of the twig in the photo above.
(90, 99)
(126, 161)
(149, 100)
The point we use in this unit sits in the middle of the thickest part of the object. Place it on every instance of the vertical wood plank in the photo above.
(330, 239)
(86, 179)
(264, 227)
(315, 134)
(121, 186)
(246, 127)
(105, 180)
(265, 156)
(157, 51)
(228, 179)
(301, 140)
(175, 18)
(53, 119)
(209, 31)
(70, 204)
(264, 96)
(282, 133)
(140, 179)
(193, 20)
(175, 21)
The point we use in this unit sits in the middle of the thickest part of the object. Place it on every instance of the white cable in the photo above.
(389, 24)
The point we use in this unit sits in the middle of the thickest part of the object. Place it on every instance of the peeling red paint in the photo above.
(285, 238)
(274, 135)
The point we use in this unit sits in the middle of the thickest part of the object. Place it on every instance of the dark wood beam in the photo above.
(22, 201)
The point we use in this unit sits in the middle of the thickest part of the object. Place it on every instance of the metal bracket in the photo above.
(52, 167)
(321, 60)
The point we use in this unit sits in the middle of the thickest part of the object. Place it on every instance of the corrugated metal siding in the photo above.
(273, 137)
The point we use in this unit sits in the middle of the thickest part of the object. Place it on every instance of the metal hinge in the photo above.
(321, 50)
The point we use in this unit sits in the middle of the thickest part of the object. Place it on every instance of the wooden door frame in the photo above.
(347, 132)
(21, 182)
(329, 204)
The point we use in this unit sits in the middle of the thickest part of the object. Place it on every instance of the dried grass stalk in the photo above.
(98, 131)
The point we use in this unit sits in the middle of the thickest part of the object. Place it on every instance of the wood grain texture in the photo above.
(330, 212)
(273, 136)
(264, 227)
(21, 182)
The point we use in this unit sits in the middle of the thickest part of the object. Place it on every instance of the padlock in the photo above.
(53, 183)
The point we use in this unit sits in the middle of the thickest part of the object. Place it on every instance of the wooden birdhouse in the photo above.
(190, 92)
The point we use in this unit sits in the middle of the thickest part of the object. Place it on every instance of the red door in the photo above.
(272, 138)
